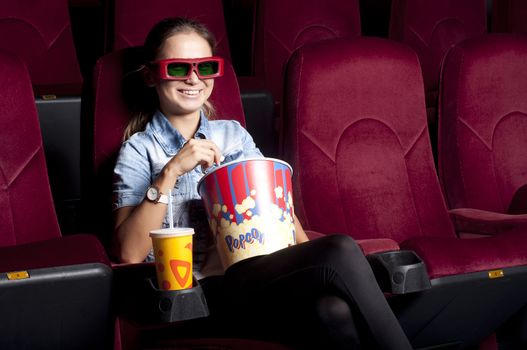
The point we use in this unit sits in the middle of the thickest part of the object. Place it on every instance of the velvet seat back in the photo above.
(130, 20)
(284, 26)
(509, 16)
(483, 123)
(430, 27)
(39, 32)
(27, 213)
(113, 75)
(357, 138)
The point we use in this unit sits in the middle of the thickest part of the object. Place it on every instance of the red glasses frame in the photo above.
(161, 67)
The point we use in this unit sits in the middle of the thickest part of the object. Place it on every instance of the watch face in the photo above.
(152, 193)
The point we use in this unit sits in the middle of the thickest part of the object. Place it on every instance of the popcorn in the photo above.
(247, 203)
(279, 192)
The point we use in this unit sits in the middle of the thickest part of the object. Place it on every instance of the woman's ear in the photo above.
(148, 77)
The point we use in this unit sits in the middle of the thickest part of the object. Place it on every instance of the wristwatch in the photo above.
(154, 195)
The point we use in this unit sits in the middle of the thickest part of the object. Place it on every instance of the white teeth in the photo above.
(190, 92)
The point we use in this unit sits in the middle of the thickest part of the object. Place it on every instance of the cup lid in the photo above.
(172, 232)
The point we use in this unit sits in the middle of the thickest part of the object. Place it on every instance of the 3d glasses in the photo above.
(182, 68)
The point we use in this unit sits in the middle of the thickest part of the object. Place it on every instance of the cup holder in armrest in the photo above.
(178, 305)
(400, 271)
(137, 298)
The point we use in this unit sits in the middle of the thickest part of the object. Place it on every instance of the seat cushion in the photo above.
(446, 256)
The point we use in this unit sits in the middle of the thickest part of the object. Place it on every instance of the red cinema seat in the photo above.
(508, 16)
(430, 27)
(283, 26)
(55, 290)
(40, 34)
(114, 72)
(483, 131)
(481, 136)
(128, 21)
(357, 138)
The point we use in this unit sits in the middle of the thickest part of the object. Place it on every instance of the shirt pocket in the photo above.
(180, 198)
(179, 205)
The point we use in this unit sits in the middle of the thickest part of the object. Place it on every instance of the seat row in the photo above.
(429, 26)
(47, 45)
(359, 145)
(278, 29)
(357, 133)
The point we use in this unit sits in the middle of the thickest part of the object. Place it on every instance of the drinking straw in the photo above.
(170, 214)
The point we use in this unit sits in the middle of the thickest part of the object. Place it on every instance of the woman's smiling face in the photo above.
(184, 97)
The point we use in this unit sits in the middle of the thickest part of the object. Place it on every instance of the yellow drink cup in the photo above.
(173, 257)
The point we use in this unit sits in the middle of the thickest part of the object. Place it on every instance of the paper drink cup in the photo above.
(249, 205)
(173, 257)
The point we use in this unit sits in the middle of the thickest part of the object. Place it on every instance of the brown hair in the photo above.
(145, 101)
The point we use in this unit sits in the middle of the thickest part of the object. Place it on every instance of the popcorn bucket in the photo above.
(249, 205)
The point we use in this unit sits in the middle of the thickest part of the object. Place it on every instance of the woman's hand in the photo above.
(132, 242)
(195, 152)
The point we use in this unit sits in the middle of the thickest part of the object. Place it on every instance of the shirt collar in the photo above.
(170, 138)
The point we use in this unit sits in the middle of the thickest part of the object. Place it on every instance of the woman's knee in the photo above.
(336, 326)
(341, 248)
(332, 310)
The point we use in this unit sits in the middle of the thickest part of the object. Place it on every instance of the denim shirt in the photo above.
(143, 156)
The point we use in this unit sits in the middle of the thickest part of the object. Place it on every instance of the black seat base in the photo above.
(461, 310)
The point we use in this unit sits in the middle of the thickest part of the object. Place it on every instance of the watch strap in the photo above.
(163, 198)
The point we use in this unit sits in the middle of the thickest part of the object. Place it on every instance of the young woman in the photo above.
(325, 285)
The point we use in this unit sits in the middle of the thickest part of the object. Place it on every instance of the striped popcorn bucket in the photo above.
(249, 205)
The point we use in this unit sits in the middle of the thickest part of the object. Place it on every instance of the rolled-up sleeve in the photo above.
(132, 175)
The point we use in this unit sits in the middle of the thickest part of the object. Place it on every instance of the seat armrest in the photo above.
(368, 246)
(476, 221)
(314, 234)
(61, 251)
(377, 245)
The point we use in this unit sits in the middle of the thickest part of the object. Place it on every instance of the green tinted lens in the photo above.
(178, 69)
(208, 68)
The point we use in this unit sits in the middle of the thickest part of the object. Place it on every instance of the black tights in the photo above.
(334, 327)
(324, 287)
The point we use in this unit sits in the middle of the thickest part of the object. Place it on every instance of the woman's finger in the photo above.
(218, 157)
(208, 158)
